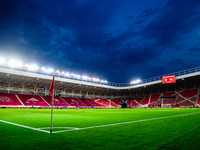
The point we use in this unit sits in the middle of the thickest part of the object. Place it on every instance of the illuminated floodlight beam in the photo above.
(44, 69)
(18, 64)
(13, 63)
(67, 74)
(32, 67)
(135, 81)
(50, 70)
(2, 60)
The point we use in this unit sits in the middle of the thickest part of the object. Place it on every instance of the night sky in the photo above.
(114, 40)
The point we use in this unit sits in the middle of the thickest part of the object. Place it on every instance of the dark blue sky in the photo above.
(116, 40)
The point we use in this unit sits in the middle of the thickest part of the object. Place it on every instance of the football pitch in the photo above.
(100, 129)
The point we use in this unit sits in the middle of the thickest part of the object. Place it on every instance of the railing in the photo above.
(157, 78)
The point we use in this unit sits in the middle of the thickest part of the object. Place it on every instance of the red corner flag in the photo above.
(52, 87)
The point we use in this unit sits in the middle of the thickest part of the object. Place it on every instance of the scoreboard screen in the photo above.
(168, 79)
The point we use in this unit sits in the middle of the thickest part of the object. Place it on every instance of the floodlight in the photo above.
(78, 76)
(2, 60)
(63, 72)
(104, 81)
(11, 63)
(32, 67)
(26, 65)
(50, 70)
(44, 69)
(135, 81)
(67, 74)
(84, 77)
(18, 64)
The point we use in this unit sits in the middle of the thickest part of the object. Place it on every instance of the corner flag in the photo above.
(52, 87)
(51, 91)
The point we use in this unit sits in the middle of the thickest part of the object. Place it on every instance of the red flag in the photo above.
(52, 87)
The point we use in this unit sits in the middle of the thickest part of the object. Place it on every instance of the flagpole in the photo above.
(53, 85)
(52, 112)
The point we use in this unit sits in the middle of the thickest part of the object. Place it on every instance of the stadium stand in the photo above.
(135, 102)
(101, 102)
(7, 99)
(90, 102)
(187, 97)
(154, 98)
(117, 102)
(170, 99)
(128, 102)
(32, 100)
(57, 101)
(198, 102)
(73, 101)
(145, 101)
(110, 103)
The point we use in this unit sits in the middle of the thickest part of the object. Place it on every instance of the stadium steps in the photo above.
(65, 101)
(187, 97)
(45, 101)
(20, 100)
(82, 101)
(135, 102)
(131, 102)
(115, 103)
(90, 102)
(158, 99)
(176, 97)
(149, 102)
(197, 97)
(141, 101)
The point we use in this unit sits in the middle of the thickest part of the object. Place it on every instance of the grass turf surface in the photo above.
(178, 132)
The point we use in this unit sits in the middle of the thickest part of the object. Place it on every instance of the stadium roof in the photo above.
(186, 79)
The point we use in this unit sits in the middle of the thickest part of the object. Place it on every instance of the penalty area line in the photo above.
(114, 124)
(27, 127)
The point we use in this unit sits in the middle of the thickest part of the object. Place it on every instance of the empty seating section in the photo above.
(74, 101)
(169, 100)
(101, 102)
(136, 102)
(129, 102)
(7, 99)
(198, 102)
(57, 101)
(154, 98)
(146, 100)
(117, 102)
(170, 93)
(184, 98)
(187, 97)
(32, 100)
(90, 102)
(110, 103)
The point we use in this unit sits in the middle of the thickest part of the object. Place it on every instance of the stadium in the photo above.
(90, 114)
(99, 74)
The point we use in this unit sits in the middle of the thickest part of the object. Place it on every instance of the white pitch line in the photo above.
(19, 125)
(122, 123)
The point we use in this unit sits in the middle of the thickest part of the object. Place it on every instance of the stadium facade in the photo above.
(21, 81)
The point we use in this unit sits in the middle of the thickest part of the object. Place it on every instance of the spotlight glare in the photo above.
(2, 60)
(32, 67)
(135, 81)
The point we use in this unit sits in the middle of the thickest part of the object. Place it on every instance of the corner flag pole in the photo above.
(51, 91)
(52, 113)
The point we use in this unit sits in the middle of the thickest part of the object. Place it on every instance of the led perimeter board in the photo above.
(168, 79)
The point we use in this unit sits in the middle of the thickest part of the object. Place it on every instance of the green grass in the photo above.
(178, 132)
